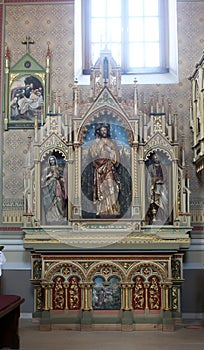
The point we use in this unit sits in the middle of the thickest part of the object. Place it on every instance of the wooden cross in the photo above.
(27, 42)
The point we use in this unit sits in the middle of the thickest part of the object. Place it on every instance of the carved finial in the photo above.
(7, 53)
(145, 107)
(163, 104)
(169, 105)
(27, 42)
(48, 50)
(151, 104)
(183, 151)
(135, 97)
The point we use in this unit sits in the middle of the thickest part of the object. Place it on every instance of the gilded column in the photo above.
(66, 286)
(76, 203)
(122, 297)
(146, 286)
(135, 199)
(142, 183)
(166, 291)
(38, 298)
(175, 189)
(5, 108)
(126, 298)
(162, 297)
(86, 297)
(47, 82)
(51, 296)
(37, 185)
(45, 307)
(70, 167)
(76, 171)
(175, 298)
(79, 180)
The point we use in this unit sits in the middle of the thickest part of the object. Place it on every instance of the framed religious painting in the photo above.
(26, 93)
(26, 100)
(106, 168)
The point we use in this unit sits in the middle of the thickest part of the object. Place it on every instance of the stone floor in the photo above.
(188, 336)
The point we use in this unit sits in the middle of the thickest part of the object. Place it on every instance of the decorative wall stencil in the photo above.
(14, 155)
(45, 24)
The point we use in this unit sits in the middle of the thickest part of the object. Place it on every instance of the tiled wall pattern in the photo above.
(54, 24)
(191, 45)
(46, 24)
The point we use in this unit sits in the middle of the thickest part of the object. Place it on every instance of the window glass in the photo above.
(113, 8)
(136, 55)
(98, 8)
(98, 34)
(114, 30)
(152, 55)
(135, 10)
(116, 52)
(151, 28)
(134, 30)
(150, 7)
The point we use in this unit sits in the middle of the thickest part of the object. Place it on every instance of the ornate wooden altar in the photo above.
(106, 205)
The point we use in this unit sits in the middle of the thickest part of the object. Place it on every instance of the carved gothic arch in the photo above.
(54, 269)
(135, 269)
(122, 134)
(97, 267)
(158, 143)
(98, 114)
(53, 143)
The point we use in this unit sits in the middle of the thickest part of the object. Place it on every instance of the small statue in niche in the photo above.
(157, 196)
(105, 154)
(54, 193)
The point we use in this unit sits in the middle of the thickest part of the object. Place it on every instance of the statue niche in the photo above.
(158, 189)
(106, 180)
(53, 190)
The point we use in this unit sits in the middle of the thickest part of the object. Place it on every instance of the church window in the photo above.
(135, 31)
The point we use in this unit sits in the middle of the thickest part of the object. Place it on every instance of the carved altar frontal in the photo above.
(106, 209)
(85, 292)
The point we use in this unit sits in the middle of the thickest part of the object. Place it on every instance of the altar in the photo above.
(106, 209)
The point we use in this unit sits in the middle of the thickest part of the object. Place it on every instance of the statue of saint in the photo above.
(158, 209)
(54, 193)
(105, 160)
